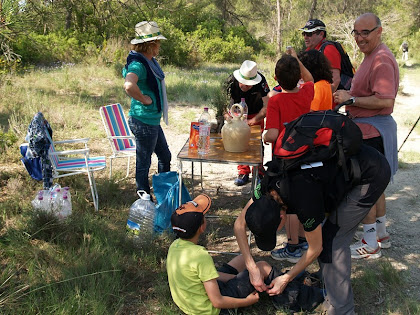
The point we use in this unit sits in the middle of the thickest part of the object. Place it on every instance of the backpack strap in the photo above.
(355, 171)
(341, 157)
(324, 44)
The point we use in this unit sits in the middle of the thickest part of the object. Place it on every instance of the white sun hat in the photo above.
(146, 31)
(247, 74)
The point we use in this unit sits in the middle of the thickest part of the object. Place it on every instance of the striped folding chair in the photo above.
(118, 133)
(73, 162)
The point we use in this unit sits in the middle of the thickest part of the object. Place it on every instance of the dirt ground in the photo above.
(402, 196)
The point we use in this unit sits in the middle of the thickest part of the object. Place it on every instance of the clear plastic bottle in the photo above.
(244, 109)
(67, 190)
(56, 199)
(204, 132)
(45, 204)
(38, 202)
(65, 208)
(142, 215)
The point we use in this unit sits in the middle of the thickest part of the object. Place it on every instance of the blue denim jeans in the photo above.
(149, 139)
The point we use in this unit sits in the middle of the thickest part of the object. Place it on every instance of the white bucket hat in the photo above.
(247, 74)
(146, 31)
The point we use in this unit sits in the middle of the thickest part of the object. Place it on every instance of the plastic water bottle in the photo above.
(204, 132)
(45, 204)
(56, 198)
(142, 214)
(244, 109)
(65, 207)
(38, 202)
(67, 191)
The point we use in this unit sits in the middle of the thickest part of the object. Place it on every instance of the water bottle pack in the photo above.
(56, 200)
(204, 132)
(142, 214)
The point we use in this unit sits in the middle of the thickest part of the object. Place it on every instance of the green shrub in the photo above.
(231, 49)
(7, 139)
(175, 50)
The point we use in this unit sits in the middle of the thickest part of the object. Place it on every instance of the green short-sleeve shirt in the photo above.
(188, 266)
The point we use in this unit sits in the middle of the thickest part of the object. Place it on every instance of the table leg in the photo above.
(192, 178)
(180, 184)
(201, 175)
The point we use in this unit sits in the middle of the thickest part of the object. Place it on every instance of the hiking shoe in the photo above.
(241, 180)
(384, 242)
(362, 250)
(285, 254)
(358, 235)
(303, 246)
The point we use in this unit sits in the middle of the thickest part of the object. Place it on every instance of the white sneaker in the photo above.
(384, 242)
(358, 235)
(362, 250)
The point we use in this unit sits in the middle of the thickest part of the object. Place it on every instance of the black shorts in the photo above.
(376, 143)
(240, 286)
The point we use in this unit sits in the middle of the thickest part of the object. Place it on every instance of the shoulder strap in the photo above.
(324, 44)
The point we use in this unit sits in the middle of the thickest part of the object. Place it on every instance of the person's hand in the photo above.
(251, 122)
(147, 100)
(227, 117)
(257, 279)
(278, 285)
(291, 51)
(253, 298)
(341, 96)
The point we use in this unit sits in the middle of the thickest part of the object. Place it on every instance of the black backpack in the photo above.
(347, 69)
(320, 136)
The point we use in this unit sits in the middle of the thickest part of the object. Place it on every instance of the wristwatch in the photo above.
(353, 100)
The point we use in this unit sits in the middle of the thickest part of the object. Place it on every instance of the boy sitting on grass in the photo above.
(198, 288)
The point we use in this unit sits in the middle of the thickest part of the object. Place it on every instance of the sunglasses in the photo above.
(363, 33)
(309, 34)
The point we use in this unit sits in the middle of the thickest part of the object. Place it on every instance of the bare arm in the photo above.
(255, 276)
(131, 88)
(304, 73)
(271, 135)
(261, 114)
(336, 79)
(314, 239)
(369, 102)
(220, 301)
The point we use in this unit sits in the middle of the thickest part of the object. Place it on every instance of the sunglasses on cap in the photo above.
(363, 33)
(309, 34)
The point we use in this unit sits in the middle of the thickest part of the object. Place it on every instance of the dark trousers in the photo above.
(149, 139)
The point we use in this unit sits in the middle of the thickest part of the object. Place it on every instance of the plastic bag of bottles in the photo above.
(56, 200)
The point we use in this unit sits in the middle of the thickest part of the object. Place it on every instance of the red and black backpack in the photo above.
(319, 136)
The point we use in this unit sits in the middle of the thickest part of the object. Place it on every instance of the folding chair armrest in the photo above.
(82, 140)
(69, 152)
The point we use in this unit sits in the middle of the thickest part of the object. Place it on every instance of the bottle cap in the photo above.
(206, 109)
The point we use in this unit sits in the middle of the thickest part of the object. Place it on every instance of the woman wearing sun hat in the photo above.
(248, 83)
(145, 84)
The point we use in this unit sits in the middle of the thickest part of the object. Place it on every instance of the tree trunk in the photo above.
(278, 30)
(313, 9)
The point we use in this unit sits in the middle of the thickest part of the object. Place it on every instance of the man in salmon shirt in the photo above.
(373, 91)
(315, 34)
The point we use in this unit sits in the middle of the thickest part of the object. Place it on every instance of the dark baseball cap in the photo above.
(188, 217)
(313, 25)
(263, 218)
